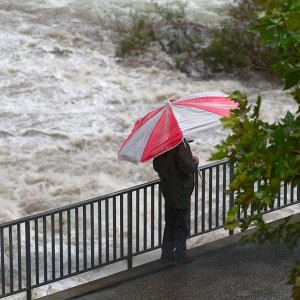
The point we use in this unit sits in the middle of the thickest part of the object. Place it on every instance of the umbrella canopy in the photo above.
(166, 126)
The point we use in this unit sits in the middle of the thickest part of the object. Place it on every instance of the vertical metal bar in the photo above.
(292, 192)
(145, 218)
(189, 218)
(11, 259)
(84, 237)
(114, 229)
(217, 194)
(239, 212)
(36, 239)
(28, 259)
(69, 242)
(159, 216)
(53, 246)
(2, 262)
(258, 185)
(239, 209)
(121, 225)
(231, 197)
(210, 199)
(285, 193)
(279, 197)
(152, 216)
(224, 193)
(61, 248)
(76, 240)
(19, 257)
(203, 202)
(107, 229)
(245, 214)
(129, 228)
(137, 225)
(92, 235)
(298, 192)
(45, 250)
(196, 203)
(252, 210)
(251, 207)
(99, 233)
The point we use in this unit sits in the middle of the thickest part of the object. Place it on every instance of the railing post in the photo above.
(28, 260)
(196, 203)
(231, 196)
(129, 228)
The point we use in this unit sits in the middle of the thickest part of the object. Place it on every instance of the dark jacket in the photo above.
(176, 170)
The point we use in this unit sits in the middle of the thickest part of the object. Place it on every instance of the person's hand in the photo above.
(196, 159)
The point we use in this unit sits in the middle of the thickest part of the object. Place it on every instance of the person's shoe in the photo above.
(166, 260)
(182, 261)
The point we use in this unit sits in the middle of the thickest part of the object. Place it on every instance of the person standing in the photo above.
(176, 169)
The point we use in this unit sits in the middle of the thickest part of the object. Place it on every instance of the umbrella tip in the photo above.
(169, 102)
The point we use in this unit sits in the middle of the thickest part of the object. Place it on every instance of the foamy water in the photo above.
(67, 104)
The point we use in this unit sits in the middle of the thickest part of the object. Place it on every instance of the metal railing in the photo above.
(57, 244)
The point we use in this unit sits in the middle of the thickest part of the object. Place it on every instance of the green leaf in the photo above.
(232, 214)
(255, 114)
(292, 79)
(231, 226)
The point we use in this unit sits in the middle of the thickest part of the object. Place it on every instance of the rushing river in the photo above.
(67, 104)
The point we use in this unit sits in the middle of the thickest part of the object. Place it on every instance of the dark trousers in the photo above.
(175, 233)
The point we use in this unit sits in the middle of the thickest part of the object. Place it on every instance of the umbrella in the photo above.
(165, 127)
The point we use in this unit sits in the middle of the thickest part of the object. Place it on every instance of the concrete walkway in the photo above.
(221, 270)
(234, 272)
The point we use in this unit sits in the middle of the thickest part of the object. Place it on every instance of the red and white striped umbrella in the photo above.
(165, 127)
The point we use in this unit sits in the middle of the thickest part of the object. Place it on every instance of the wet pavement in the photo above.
(257, 272)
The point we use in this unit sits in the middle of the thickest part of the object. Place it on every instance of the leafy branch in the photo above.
(267, 155)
